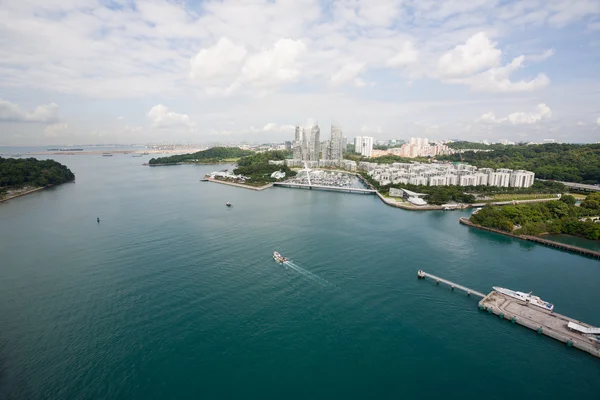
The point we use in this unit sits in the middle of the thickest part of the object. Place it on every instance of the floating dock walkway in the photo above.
(565, 329)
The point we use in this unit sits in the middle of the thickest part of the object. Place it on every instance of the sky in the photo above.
(175, 71)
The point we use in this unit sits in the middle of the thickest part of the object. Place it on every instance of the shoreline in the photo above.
(535, 239)
(240, 185)
(24, 193)
(100, 152)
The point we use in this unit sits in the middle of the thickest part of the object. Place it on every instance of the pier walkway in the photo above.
(323, 187)
(560, 327)
(423, 275)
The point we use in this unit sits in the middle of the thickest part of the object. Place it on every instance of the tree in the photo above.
(568, 199)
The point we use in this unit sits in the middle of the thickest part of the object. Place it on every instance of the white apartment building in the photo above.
(446, 174)
(363, 145)
(521, 178)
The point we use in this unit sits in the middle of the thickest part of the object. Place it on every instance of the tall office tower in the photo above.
(344, 144)
(358, 144)
(315, 143)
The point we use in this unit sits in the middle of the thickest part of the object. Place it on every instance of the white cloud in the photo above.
(519, 118)
(121, 117)
(272, 126)
(598, 121)
(477, 64)
(55, 130)
(161, 117)
(349, 73)
(542, 56)
(498, 79)
(276, 65)
(12, 112)
(405, 56)
(475, 55)
(224, 58)
(279, 60)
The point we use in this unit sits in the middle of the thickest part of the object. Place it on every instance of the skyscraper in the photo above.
(336, 150)
(315, 144)
(366, 147)
(358, 144)
(297, 145)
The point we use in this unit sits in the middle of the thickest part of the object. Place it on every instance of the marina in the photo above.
(557, 326)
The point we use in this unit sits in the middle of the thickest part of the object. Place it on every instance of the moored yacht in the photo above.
(526, 297)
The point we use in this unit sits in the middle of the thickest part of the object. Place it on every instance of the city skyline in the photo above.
(229, 71)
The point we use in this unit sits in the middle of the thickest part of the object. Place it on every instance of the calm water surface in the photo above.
(173, 295)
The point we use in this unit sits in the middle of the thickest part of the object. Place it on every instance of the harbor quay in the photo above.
(545, 322)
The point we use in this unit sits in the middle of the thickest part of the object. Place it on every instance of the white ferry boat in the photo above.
(526, 297)
(279, 258)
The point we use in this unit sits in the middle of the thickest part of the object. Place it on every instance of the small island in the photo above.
(538, 219)
(22, 176)
(214, 155)
(256, 170)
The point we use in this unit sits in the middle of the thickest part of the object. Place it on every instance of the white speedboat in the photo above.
(526, 297)
(279, 258)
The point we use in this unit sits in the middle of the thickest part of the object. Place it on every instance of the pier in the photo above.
(437, 279)
(560, 327)
(323, 187)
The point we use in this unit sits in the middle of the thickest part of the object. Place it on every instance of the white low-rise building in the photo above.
(446, 174)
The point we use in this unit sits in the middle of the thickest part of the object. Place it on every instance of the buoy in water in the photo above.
(98, 219)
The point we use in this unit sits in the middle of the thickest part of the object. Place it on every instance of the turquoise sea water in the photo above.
(575, 241)
(174, 295)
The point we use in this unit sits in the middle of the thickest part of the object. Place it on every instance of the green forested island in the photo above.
(562, 162)
(16, 173)
(210, 156)
(465, 194)
(257, 168)
(560, 216)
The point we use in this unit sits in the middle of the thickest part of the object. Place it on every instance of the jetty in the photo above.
(557, 326)
(323, 187)
(437, 279)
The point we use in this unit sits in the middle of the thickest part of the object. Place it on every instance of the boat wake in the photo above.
(307, 274)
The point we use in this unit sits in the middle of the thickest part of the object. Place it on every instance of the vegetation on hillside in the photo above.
(20, 172)
(210, 156)
(390, 159)
(462, 145)
(466, 194)
(560, 216)
(561, 162)
(257, 168)
(387, 159)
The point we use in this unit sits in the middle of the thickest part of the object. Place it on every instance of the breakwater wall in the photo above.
(535, 239)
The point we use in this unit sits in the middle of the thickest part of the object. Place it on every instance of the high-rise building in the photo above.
(297, 145)
(336, 143)
(364, 145)
(314, 144)
(358, 144)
